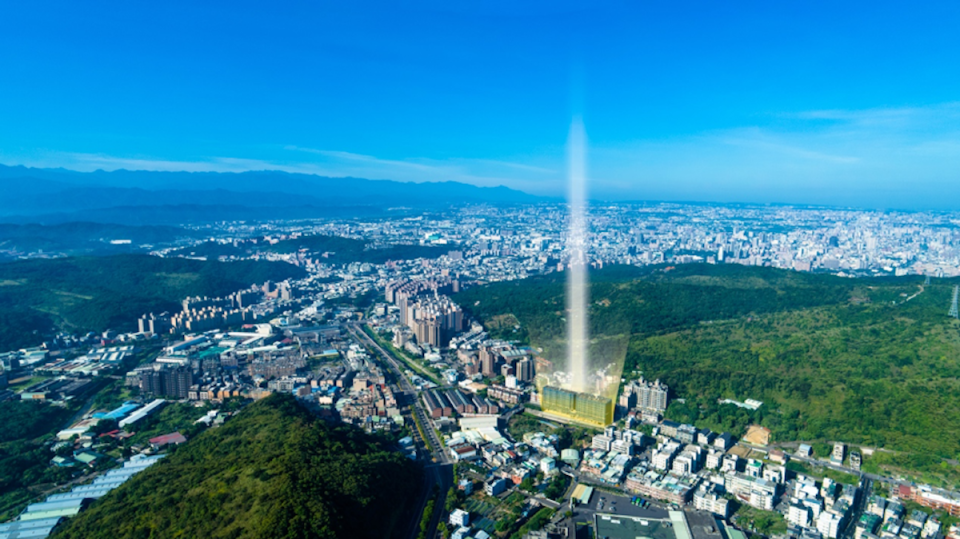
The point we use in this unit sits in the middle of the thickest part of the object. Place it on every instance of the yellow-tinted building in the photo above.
(581, 407)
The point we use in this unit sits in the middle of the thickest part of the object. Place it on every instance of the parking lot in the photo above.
(620, 505)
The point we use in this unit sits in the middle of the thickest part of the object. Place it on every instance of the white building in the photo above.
(663, 456)
(706, 498)
(682, 465)
(459, 518)
(714, 458)
(602, 442)
(623, 446)
(799, 515)
(829, 525)
(762, 500)
(839, 452)
(730, 463)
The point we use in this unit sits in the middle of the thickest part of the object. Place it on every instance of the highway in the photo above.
(408, 390)
(440, 471)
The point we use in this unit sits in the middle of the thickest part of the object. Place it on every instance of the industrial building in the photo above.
(613, 526)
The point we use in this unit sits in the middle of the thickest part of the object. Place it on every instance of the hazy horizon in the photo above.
(758, 104)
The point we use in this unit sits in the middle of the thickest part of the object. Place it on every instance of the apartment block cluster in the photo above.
(427, 310)
(202, 313)
(220, 365)
(371, 404)
(826, 511)
(498, 358)
(480, 441)
(611, 455)
(353, 390)
(680, 463)
(648, 398)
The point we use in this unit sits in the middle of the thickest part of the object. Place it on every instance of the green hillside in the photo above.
(24, 461)
(833, 358)
(645, 301)
(273, 471)
(96, 293)
(340, 250)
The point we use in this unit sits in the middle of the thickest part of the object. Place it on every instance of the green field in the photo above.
(111, 292)
(274, 470)
(832, 358)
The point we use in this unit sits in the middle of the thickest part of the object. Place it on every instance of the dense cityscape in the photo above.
(385, 347)
(480, 270)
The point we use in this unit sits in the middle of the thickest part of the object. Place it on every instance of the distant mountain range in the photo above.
(50, 196)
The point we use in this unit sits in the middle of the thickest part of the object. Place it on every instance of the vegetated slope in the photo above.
(90, 293)
(832, 358)
(339, 250)
(879, 374)
(24, 461)
(647, 301)
(274, 470)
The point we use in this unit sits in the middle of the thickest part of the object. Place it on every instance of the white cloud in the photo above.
(857, 157)
(878, 157)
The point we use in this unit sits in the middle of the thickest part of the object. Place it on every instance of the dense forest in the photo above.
(274, 470)
(97, 293)
(339, 250)
(832, 358)
(24, 461)
(646, 301)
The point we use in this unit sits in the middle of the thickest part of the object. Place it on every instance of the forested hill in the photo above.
(654, 299)
(97, 293)
(870, 361)
(273, 471)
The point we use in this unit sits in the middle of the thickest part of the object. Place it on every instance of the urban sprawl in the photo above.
(410, 364)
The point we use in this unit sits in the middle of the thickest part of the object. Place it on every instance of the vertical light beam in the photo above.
(577, 339)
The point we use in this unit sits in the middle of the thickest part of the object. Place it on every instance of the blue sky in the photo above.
(800, 102)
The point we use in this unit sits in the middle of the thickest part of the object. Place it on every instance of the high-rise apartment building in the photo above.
(167, 382)
(582, 407)
(651, 396)
(525, 370)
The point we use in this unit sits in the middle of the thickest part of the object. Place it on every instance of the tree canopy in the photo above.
(274, 470)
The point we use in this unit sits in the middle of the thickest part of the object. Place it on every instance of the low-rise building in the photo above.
(709, 498)
(459, 518)
(495, 486)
